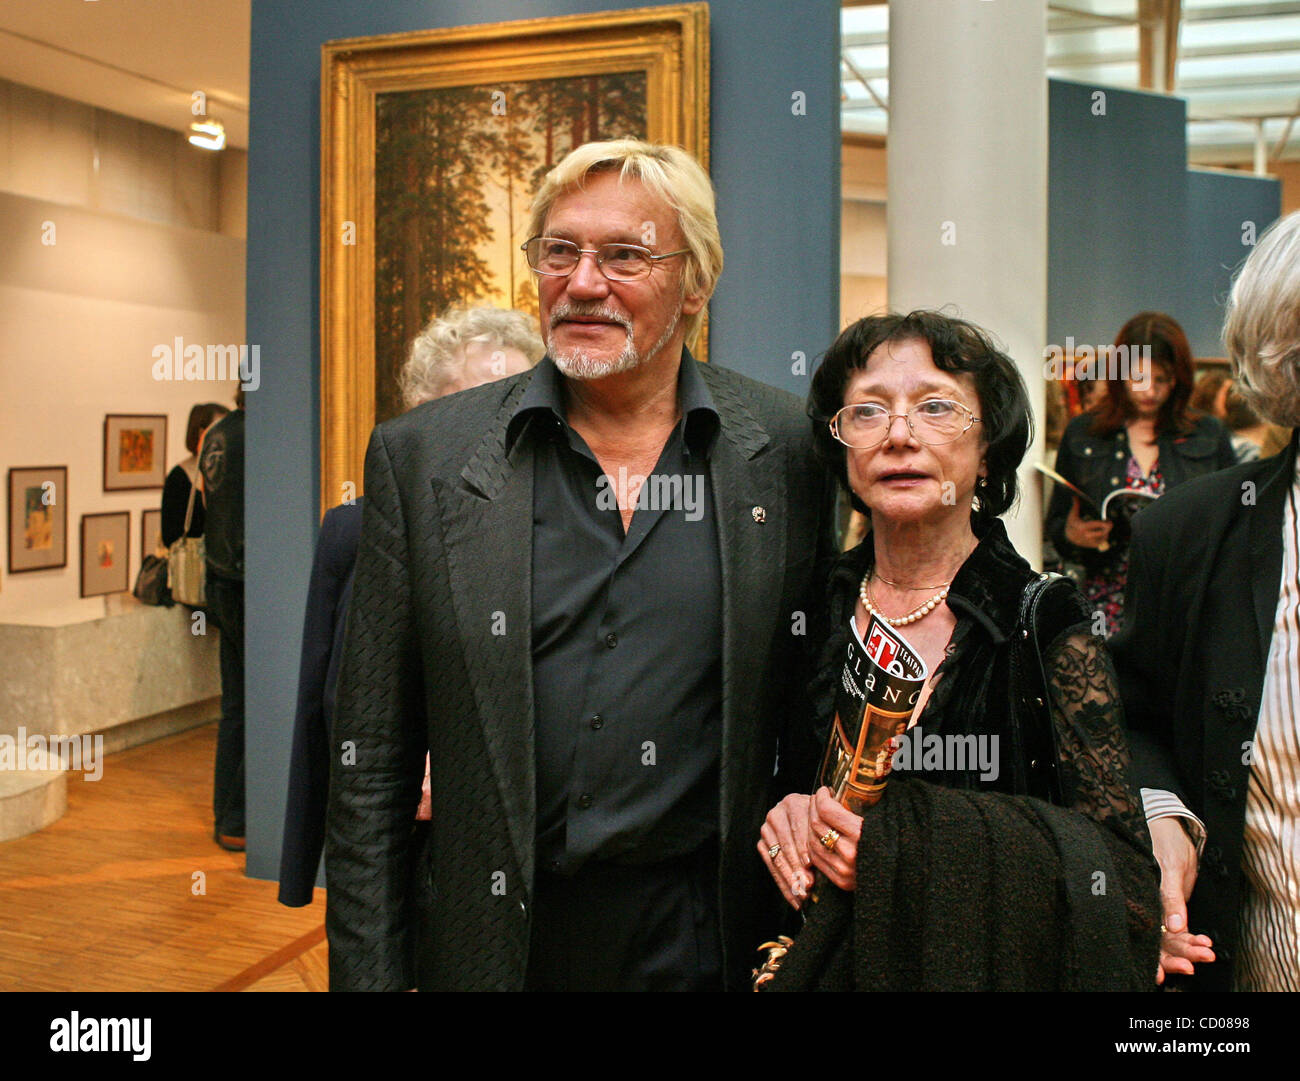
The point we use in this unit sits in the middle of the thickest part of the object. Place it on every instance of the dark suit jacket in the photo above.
(1204, 577)
(444, 567)
(322, 650)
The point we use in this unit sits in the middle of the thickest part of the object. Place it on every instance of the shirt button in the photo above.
(1119, 454)
(598, 721)
(555, 865)
(1087, 450)
(1114, 480)
(586, 800)
(611, 640)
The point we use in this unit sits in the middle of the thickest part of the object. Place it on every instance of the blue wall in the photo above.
(777, 177)
(1220, 207)
(1130, 227)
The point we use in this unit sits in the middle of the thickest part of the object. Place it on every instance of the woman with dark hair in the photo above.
(1141, 436)
(176, 489)
(924, 422)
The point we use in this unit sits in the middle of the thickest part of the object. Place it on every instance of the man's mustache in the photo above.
(589, 311)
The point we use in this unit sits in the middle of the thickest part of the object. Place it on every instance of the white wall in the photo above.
(136, 261)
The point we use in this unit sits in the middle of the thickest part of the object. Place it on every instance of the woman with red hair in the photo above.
(1141, 435)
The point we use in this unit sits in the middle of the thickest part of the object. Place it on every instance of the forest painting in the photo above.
(455, 172)
(433, 143)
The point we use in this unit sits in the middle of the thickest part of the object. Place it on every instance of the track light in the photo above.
(208, 133)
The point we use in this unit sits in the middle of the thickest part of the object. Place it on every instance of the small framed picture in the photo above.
(135, 452)
(105, 553)
(151, 542)
(38, 518)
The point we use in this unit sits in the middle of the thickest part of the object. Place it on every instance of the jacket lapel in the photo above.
(488, 537)
(749, 489)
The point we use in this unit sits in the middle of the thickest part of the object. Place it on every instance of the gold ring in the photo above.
(773, 852)
(831, 839)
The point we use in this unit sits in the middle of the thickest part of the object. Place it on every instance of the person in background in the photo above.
(1252, 437)
(1209, 668)
(1141, 436)
(1210, 395)
(463, 348)
(176, 489)
(221, 465)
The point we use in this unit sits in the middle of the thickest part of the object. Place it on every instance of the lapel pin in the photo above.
(760, 515)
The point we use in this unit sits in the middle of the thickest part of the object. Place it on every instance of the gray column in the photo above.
(967, 205)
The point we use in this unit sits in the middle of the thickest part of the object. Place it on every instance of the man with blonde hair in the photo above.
(584, 591)
(1209, 668)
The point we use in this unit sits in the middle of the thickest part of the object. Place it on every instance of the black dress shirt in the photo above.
(626, 641)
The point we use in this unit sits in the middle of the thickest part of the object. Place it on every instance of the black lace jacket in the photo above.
(972, 694)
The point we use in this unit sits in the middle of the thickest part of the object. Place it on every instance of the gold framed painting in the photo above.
(432, 146)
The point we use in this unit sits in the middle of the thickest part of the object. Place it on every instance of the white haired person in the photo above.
(1209, 668)
(466, 347)
(462, 348)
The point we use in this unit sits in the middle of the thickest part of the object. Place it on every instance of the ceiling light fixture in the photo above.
(209, 134)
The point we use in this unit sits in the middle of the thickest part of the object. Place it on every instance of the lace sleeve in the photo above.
(1089, 721)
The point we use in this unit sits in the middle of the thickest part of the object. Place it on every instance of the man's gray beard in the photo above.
(579, 364)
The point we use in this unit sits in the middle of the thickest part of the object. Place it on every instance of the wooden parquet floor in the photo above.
(128, 892)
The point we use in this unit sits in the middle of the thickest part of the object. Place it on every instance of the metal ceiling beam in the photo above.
(1240, 11)
(1236, 82)
(1276, 156)
(849, 41)
(1173, 16)
(1091, 16)
(865, 82)
(1158, 22)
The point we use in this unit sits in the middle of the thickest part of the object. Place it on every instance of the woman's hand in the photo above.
(786, 826)
(1180, 950)
(1083, 534)
(839, 863)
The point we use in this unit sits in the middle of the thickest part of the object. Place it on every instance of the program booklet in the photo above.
(880, 683)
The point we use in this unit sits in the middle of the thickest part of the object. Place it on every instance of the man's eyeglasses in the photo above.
(932, 422)
(618, 262)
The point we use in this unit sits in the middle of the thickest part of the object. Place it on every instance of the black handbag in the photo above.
(1029, 685)
(151, 583)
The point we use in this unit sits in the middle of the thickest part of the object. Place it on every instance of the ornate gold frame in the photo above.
(671, 44)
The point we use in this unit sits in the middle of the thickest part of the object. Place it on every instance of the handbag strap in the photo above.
(1032, 687)
(189, 507)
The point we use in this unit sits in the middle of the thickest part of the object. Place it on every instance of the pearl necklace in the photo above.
(864, 592)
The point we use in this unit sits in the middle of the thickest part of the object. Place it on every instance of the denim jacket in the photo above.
(1097, 464)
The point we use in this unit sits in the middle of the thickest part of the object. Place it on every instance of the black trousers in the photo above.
(226, 604)
(617, 928)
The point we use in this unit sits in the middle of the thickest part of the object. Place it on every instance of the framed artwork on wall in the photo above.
(151, 542)
(105, 553)
(433, 145)
(135, 452)
(38, 518)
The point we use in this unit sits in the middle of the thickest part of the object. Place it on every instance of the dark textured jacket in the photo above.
(1097, 464)
(1204, 575)
(445, 558)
